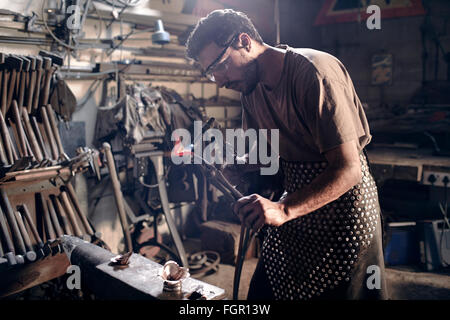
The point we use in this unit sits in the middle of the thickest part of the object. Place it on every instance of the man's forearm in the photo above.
(332, 183)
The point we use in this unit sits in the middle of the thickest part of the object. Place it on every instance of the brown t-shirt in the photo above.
(314, 106)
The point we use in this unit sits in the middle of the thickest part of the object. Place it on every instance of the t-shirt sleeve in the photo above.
(329, 110)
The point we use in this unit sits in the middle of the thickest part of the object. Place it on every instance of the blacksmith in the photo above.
(324, 234)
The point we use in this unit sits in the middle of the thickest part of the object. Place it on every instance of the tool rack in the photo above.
(21, 188)
(38, 202)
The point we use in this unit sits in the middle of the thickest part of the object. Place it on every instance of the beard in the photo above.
(251, 77)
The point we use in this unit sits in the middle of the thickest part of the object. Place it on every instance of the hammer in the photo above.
(3, 159)
(2, 253)
(30, 133)
(49, 133)
(54, 218)
(39, 64)
(61, 214)
(6, 140)
(51, 117)
(19, 130)
(37, 131)
(50, 231)
(46, 80)
(42, 204)
(31, 84)
(26, 63)
(14, 65)
(73, 197)
(44, 249)
(3, 81)
(10, 253)
(12, 221)
(50, 60)
(30, 255)
(4, 87)
(69, 210)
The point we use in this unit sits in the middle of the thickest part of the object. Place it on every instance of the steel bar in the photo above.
(118, 196)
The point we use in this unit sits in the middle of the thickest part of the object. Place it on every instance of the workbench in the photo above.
(407, 164)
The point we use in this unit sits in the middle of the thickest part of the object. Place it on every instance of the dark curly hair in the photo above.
(219, 26)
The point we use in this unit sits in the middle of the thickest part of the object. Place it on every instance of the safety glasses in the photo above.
(217, 65)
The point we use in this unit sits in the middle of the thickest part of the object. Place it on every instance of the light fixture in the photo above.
(160, 36)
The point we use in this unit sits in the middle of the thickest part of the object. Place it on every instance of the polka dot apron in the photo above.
(325, 254)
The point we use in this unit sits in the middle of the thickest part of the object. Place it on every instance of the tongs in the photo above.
(220, 182)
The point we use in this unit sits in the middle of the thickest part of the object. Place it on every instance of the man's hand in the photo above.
(256, 211)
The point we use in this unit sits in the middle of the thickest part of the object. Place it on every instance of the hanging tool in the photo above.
(10, 217)
(31, 136)
(9, 250)
(58, 230)
(69, 210)
(4, 87)
(22, 144)
(73, 198)
(31, 84)
(7, 143)
(22, 81)
(29, 254)
(61, 214)
(44, 249)
(37, 88)
(14, 64)
(49, 133)
(54, 128)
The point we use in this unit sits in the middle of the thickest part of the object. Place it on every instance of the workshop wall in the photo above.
(354, 44)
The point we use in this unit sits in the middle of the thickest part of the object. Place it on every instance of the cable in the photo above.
(133, 32)
(92, 88)
(123, 3)
(100, 24)
(141, 181)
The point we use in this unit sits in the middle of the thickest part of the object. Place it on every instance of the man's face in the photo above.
(235, 69)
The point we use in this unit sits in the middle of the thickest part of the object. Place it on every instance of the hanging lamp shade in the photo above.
(160, 36)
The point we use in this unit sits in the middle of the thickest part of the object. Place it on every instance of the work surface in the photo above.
(406, 164)
(143, 274)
